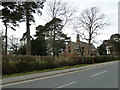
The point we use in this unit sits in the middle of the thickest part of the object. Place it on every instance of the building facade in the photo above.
(79, 48)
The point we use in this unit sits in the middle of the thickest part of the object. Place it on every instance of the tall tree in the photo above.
(102, 48)
(115, 37)
(40, 42)
(60, 9)
(115, 43)
(27, 9)
(111, 46)
(55, 35)
(21, 50)
(55, 27)
(91, 21)
(10, 17)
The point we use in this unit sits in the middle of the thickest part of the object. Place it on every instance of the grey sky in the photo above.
(107, 7)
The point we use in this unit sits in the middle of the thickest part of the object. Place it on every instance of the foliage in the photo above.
(55, 37)
(102, 48)
(10, 17)
(22, 64)
(60, 14)
(27, 9)
(39, 47)
(111, 46)
(22, 50)
(10, 14)
(115, 43)
(13, 12)
(48, 39)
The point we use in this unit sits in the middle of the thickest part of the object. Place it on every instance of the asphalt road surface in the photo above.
(105, 76)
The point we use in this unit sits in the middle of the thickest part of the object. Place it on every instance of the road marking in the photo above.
(99, 73)
(67, 84)
(42, 78)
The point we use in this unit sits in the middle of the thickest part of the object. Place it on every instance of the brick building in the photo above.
(78, 48)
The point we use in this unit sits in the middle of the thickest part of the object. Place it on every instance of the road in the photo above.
(105, 76)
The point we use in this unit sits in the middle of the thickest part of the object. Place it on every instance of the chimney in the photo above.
(78, 39)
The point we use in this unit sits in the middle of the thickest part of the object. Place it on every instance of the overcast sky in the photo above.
(107, 7)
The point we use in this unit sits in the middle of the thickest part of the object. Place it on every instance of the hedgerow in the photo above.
(21, 64)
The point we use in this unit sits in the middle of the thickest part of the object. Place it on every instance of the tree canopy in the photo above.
(111, 46)
(27, 9)
(10, 18)
(90, 22)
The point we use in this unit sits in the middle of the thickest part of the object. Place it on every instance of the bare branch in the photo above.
(91, 21)
(61, 9)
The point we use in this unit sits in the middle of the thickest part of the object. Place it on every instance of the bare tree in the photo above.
(62, 10)
(14, 44)
(90, 22)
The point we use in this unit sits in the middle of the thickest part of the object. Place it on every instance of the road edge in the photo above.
(15, 79)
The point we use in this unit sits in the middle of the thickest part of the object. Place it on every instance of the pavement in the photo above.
(25, 78)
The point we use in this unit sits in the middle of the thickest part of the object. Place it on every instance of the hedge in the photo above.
(21, 64)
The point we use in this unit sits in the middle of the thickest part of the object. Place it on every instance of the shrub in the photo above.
(9, 67)
(20, 64)
(105, 58)
(61, 62)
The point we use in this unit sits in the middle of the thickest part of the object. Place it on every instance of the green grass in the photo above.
(47, 70)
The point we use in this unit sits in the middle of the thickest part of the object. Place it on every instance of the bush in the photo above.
(105, 58)
(61, 62)
(9, 67)
(20, 64)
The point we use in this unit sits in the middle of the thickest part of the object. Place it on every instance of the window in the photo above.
(82, 50)
(69, 49)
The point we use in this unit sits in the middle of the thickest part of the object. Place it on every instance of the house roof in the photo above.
(82, 44)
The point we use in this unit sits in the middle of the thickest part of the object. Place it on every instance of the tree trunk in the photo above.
(50, 44)
(54, 48)
(54, 44)
(6, 42)
(28, 46)
(89, 42)
(89, 52)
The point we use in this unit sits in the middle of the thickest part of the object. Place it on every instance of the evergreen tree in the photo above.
(10, 17)
(39, 46)
(55, 37)
(27, 9)
(112, 45)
